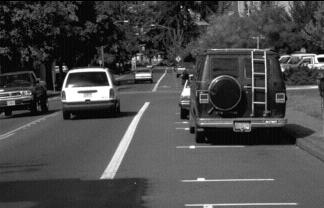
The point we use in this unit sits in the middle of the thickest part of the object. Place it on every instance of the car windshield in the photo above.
(87, 79)
(15, 80)
(284, 60)
(295, 60)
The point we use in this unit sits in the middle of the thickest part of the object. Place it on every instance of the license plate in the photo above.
(87, 95)
(240, 126)
(11, 103)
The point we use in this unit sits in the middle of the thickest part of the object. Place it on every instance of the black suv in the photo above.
(22, 91)
(240, 89)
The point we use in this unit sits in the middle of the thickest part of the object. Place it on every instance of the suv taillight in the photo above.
(280, 97)
(63, 96)
(203, 98)
(111, 93)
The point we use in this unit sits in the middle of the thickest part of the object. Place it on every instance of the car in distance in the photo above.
(179, 70)
(184, 102)
(238, 89)
(143, 74)
(22, 91)
(89, 89)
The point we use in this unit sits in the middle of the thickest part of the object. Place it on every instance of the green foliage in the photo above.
(301, 76)
(314, 30)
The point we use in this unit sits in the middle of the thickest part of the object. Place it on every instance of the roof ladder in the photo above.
(264, 88)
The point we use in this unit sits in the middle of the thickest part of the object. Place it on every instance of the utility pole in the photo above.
(258, 40)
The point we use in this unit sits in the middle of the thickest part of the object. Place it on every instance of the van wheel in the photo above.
(66, 115)
(8, 112)
(183, 113)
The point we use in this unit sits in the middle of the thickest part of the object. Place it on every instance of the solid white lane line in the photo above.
(120, 152)
(5, 136)
(158, 82)
(240, 204)
(197, 147)
(10, 133)
(229, 180)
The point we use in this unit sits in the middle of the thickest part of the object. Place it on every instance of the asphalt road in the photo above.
(146, 157)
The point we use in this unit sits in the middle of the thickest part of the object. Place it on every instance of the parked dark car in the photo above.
(239, 89)
(22, 91)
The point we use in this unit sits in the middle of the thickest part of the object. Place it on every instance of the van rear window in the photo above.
(87, 79)
(219, 64)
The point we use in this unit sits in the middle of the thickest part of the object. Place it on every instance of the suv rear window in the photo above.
(87, 79)
(258, 67)
(223, 64)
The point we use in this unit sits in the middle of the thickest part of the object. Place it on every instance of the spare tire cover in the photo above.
(225, 92)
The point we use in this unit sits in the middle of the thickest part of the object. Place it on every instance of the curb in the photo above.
(310, 146)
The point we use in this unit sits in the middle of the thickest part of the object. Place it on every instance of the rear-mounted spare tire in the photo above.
(225, 92)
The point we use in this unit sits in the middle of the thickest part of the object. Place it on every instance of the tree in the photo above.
(314, 30)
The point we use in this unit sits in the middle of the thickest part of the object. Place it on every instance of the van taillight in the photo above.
(111, 93)
(280, 97)
(63, 96)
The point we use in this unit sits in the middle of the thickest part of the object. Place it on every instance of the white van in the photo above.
(87, 89)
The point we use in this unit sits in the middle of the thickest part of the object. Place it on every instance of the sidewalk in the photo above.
(307, 130)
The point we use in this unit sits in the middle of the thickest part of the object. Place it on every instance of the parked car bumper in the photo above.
(21, 103)
(185, 104)
(89, 106)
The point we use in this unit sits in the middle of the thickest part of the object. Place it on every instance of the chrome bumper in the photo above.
(229, 123)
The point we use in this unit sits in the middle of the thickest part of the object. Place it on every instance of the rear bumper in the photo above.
(185, 104)
(89, 106)
(143, 78)
(229, 123)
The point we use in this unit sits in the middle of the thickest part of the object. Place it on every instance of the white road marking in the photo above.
(182, 122)
(10, 133)
(198, 147)
(158, 82)
(187, 129)
(228, 180)
(120, 152)
(240, 204)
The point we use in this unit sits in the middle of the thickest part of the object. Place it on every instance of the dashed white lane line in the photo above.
(121, 150)
(158, 82)
(211, 147)
(240, 204)
(182, 122)
(10, 133)
(186, 129)
(229, 180)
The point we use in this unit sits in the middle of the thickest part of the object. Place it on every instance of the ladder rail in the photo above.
(253, 87)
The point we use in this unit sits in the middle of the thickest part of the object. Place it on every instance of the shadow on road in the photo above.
(256, 137)
(100, 115)
(74, 193)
